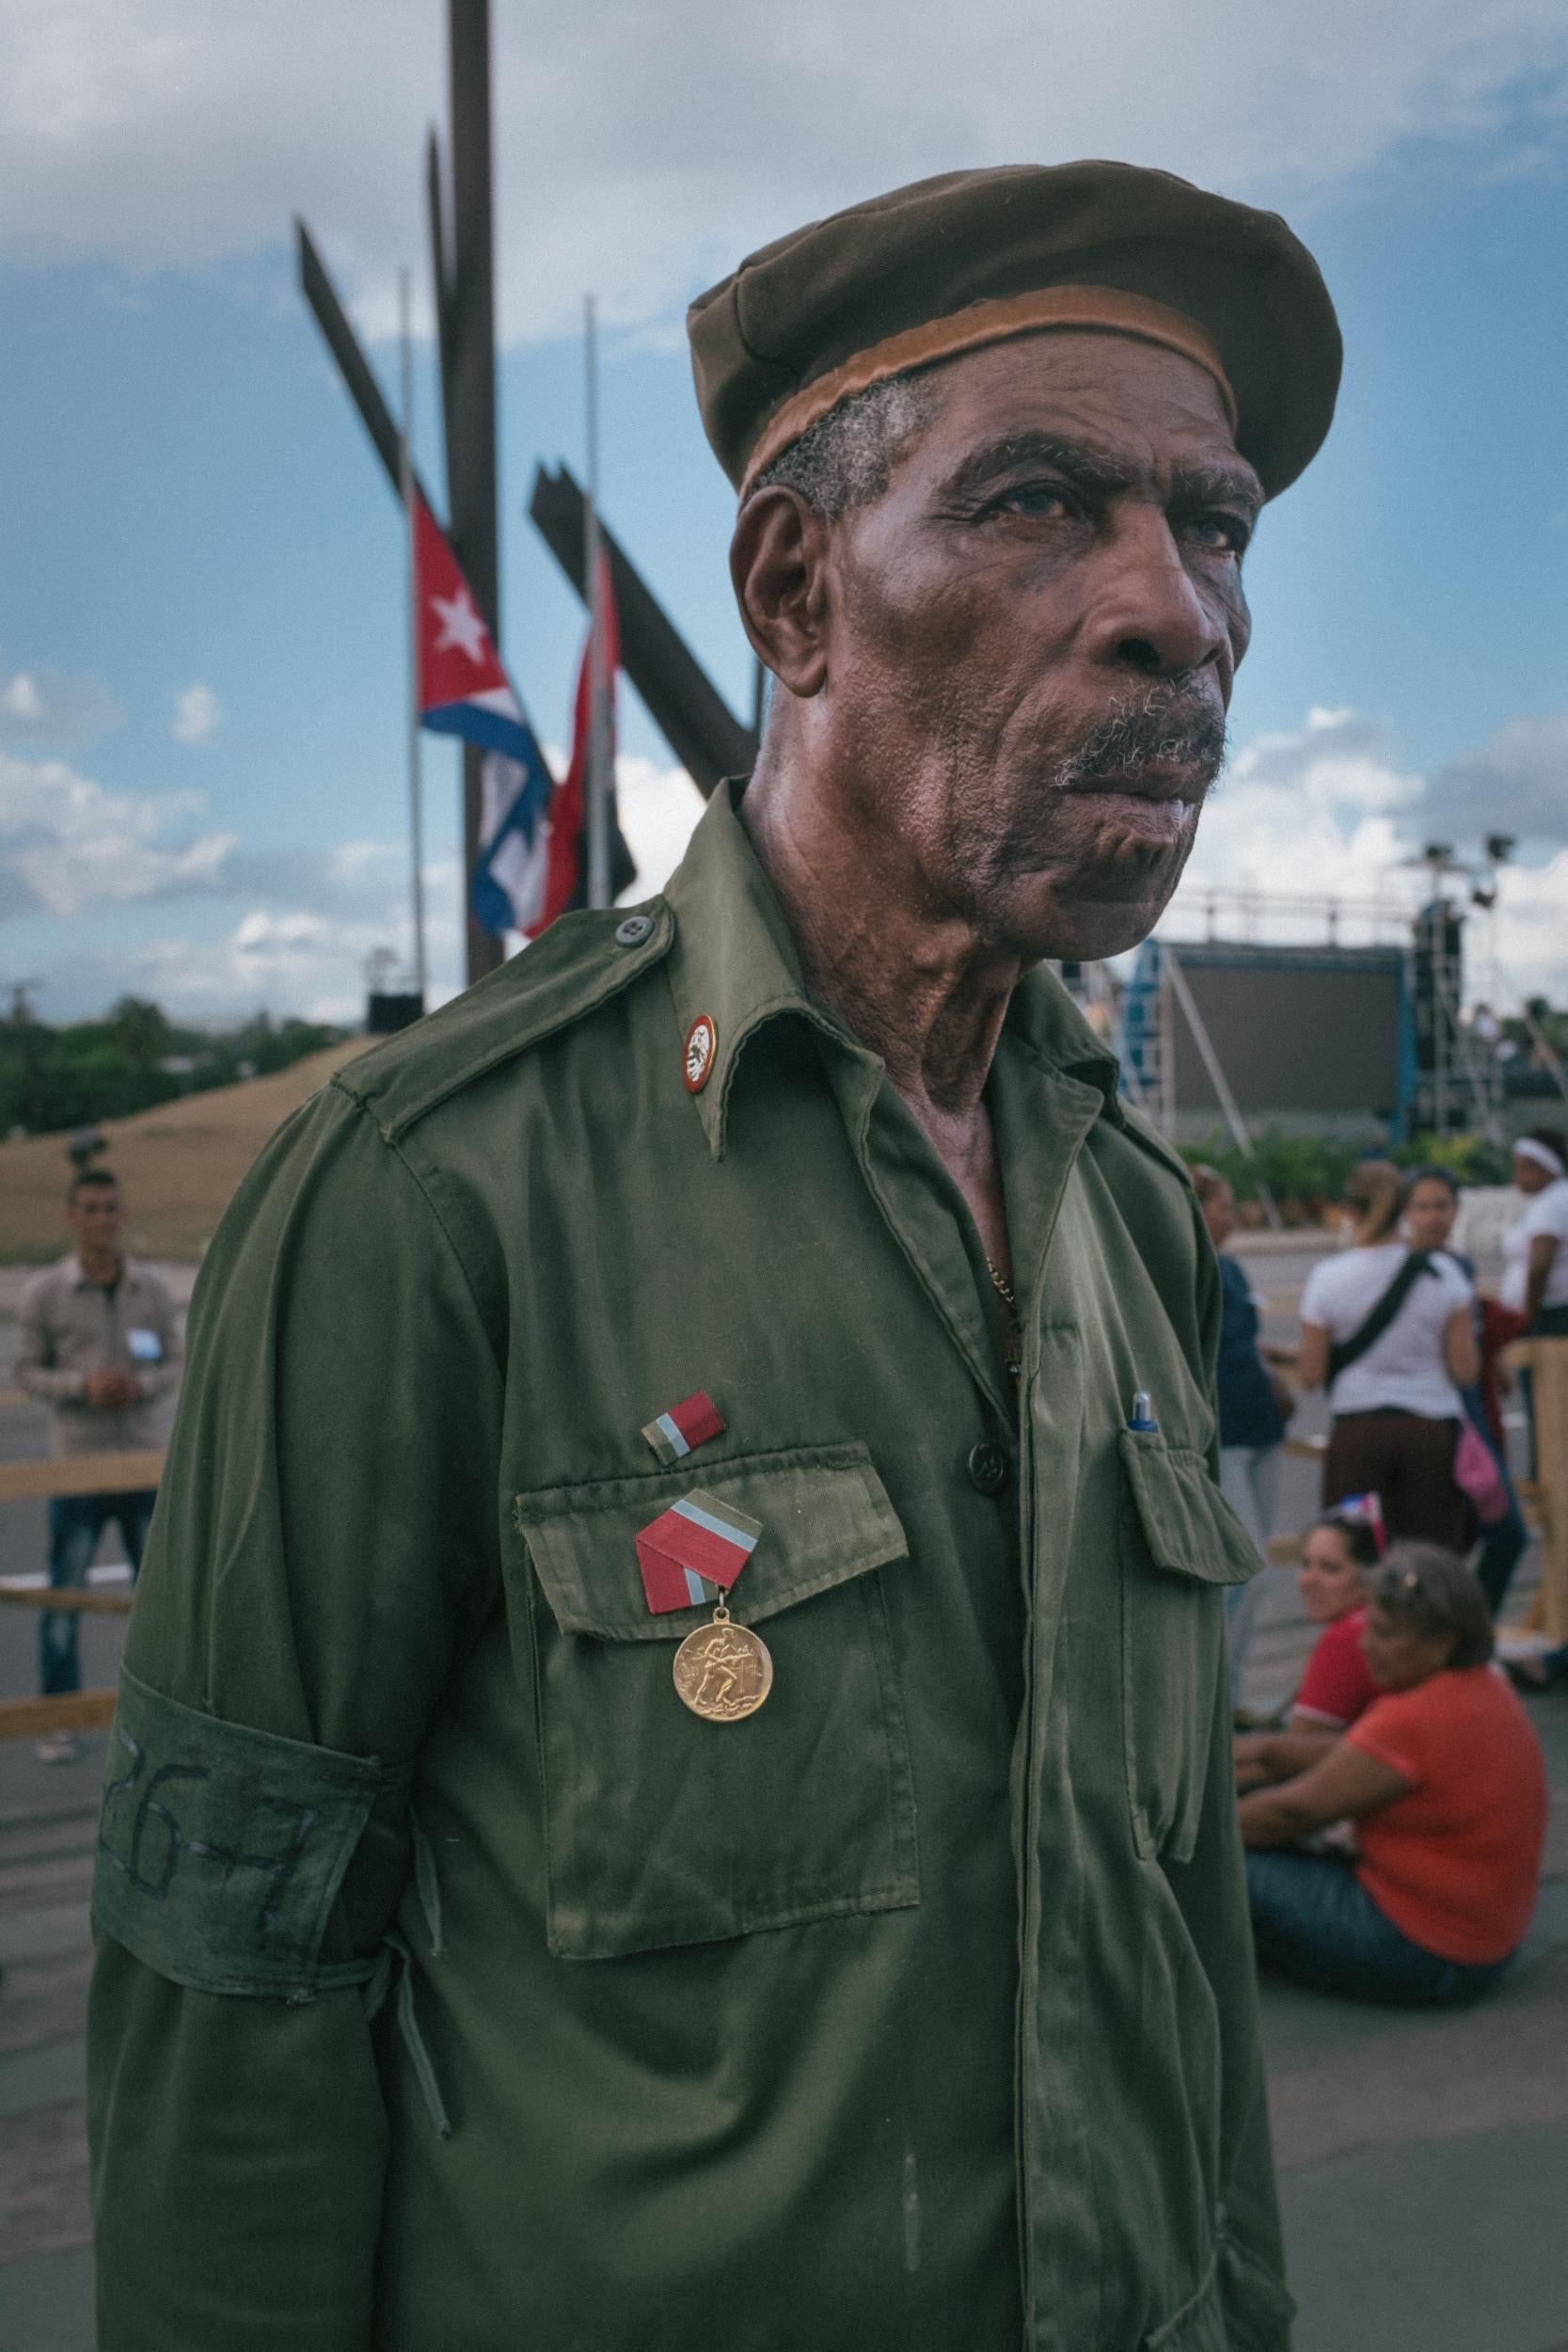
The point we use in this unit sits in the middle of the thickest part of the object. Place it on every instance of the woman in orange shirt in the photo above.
(1443, 1778)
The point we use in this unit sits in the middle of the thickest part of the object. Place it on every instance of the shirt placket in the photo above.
(1042, 1117)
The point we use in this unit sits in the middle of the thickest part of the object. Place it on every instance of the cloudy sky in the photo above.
(201, 765)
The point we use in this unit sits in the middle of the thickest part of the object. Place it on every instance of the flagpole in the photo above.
(405, 488)
(597, 811)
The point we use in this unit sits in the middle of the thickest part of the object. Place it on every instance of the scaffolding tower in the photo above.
(1458, 1079)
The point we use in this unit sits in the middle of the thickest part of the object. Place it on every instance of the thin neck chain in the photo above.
(1008, 1296)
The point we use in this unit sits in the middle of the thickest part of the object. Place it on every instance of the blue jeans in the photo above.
(1314, 1921)
(75, 1523)
(1501, 1543)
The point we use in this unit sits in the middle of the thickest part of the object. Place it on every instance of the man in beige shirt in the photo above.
(100, 1346)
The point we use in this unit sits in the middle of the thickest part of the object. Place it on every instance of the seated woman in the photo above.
(1337, 1688)
(1443, 1780)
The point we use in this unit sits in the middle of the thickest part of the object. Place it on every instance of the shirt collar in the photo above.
(733, 965)
(80, 1279)
(1045, 1019)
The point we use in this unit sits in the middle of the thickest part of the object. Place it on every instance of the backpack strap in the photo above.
(1379, 1316)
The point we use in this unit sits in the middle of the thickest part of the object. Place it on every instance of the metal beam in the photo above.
(692, 716)
(470, 387)
(353, 366)
(440, 264)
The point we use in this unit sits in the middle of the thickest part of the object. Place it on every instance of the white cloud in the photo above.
(66, 843)
(1328, 813)
(1519, 779)
(1317, 813)
(60, 708)
(1338, 762)
(292, 960)
(1531, 948)
(198, 715)
(312, 921)
(657, 809)
(304, 948)
(641, 150)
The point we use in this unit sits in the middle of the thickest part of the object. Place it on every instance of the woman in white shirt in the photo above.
(1535, 1250)
(1390, 1332)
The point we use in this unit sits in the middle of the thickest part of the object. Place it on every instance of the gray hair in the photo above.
(847, 458)
(1430, 1592)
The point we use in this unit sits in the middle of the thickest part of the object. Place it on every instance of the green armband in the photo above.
(221, 1849)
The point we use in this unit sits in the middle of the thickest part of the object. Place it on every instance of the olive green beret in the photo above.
(950, 263)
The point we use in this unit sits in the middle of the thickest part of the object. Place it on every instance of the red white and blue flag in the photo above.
(566, 879)
(464, 690)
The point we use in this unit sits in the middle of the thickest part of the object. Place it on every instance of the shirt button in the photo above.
(634, 931)
(987, 1466)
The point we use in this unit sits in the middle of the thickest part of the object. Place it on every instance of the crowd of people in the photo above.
(1394, 1818)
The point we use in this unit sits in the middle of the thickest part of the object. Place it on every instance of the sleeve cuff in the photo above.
(221, 1848)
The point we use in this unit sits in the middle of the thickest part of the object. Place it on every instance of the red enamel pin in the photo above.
(702, 1040)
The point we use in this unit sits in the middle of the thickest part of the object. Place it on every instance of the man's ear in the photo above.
(778, 564)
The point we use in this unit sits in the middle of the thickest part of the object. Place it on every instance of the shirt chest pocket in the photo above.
(1181, 1545)
(662, 1828)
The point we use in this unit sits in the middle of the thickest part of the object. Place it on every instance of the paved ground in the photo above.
(1423, 2159)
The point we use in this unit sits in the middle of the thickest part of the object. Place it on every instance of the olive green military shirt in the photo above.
(457, 1987)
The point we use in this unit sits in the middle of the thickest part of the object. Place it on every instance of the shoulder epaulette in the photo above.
(579, 964)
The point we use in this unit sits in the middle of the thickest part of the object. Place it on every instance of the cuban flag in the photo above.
(567, 857)
(464, 692)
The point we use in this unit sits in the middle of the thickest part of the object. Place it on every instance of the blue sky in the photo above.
(202, 771)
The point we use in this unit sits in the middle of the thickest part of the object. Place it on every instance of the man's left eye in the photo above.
(1224, 534)
(1035, 498)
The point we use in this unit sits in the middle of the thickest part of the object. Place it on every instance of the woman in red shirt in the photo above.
(1336, 1553)
(1443, 1777)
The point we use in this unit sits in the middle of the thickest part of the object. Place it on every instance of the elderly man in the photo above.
(672, 1783)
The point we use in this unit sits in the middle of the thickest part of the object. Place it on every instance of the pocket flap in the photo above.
(824, 1517)
(1188, 1525)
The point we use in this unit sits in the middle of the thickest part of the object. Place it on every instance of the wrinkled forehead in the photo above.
(1127, 412)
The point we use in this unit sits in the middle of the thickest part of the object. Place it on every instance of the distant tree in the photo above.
(141, 1031)
(53, 1079)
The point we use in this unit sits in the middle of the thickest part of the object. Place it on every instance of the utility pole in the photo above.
(596, 814)
(405, 488)
(465, 294)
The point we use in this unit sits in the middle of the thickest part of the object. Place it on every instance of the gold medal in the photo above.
(724, 1671)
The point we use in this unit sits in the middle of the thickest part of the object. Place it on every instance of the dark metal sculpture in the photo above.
(465, 310)
(682, 700)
